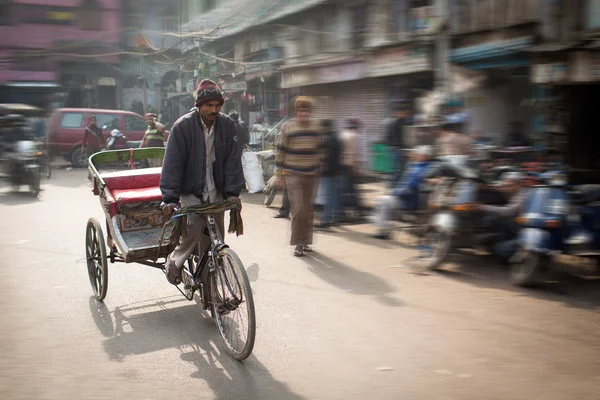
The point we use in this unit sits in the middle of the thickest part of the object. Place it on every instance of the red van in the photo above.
(67, 125)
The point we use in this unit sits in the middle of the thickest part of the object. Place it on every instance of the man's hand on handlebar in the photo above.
(236, 200)
(168, 209)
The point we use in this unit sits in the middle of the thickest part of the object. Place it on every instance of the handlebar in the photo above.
(203, 209)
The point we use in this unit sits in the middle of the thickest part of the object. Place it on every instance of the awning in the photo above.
(32, 85)
(490, 50)
(551, 47)
(22, 109)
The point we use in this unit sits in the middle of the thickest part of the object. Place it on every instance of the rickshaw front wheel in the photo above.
(95, 251)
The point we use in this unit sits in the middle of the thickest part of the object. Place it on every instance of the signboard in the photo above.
(107, 81)
(340, 73)
(399, 61)
(235, 86)
(298, 78)
(549, 72)
(38, 14)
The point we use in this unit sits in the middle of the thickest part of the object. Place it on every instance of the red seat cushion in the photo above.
(139, 195)
(132, 179)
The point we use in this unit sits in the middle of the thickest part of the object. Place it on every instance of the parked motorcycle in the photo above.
(24, 168)
(556, 221)
(456, 223)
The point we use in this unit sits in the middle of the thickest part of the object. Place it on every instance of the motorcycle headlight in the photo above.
(558, 180)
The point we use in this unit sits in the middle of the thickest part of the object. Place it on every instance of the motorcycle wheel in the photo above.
(269, 197)
(45, 164)
(527, 272)
(438, 244)
(34, 182)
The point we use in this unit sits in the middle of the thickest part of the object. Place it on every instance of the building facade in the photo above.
(64, 47)
(356, 58)
(493, 37)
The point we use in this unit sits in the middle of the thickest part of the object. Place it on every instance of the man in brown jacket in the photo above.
(300, 157)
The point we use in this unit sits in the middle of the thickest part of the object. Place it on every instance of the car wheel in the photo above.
(79, 159)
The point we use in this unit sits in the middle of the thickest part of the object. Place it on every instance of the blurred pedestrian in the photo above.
(395, 139)
(349, 160)
(331, 177)
(243, 135)
(154, 137)
(97, 142)
(405, 195)
(451, 142)
(92, 131)
(299, 159)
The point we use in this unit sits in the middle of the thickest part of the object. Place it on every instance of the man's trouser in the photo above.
(397, 164)
(350, 197)
(194, 232)
(302, 191)
(332, 198)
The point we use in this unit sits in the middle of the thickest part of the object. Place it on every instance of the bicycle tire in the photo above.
(224, 285)
(270, 197)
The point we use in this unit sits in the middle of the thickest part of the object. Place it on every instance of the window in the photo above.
(133, 123)
(71, 120)
(112, 121)
(4, 12)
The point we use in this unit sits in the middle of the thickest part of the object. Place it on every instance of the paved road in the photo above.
(340, 324)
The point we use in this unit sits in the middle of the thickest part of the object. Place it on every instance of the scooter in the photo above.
(556, 220)
(118, 141)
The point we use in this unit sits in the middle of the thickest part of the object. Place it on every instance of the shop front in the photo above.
(506, 93)
(571, 81)
(406, 70)
(264, 96)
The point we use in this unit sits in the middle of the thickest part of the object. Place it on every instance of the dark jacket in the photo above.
(184, 166)
(395, 134)
(242, 133)
(332, 153)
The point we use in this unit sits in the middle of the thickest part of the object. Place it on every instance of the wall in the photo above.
(38, 35)
(493, 108)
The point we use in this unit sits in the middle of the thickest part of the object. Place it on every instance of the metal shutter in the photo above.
(365, 99)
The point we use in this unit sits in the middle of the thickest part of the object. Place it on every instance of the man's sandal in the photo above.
(298, 251)
(177, 280)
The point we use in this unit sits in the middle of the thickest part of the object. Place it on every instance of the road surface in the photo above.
(346, 322)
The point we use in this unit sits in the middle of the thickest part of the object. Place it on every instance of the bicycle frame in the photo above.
(199, 275)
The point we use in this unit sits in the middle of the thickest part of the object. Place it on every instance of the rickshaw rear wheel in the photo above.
(95, 251)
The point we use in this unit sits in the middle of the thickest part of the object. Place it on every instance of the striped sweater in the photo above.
(299, 151)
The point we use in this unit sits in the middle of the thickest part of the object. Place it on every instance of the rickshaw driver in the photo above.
(201, 165)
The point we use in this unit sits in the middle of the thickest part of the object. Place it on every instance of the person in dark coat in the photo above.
(395, 139)
(241, 129)
(331, 175)
(202, 165)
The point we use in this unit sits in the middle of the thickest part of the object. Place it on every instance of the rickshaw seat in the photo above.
(144, 178)
(137, 195)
